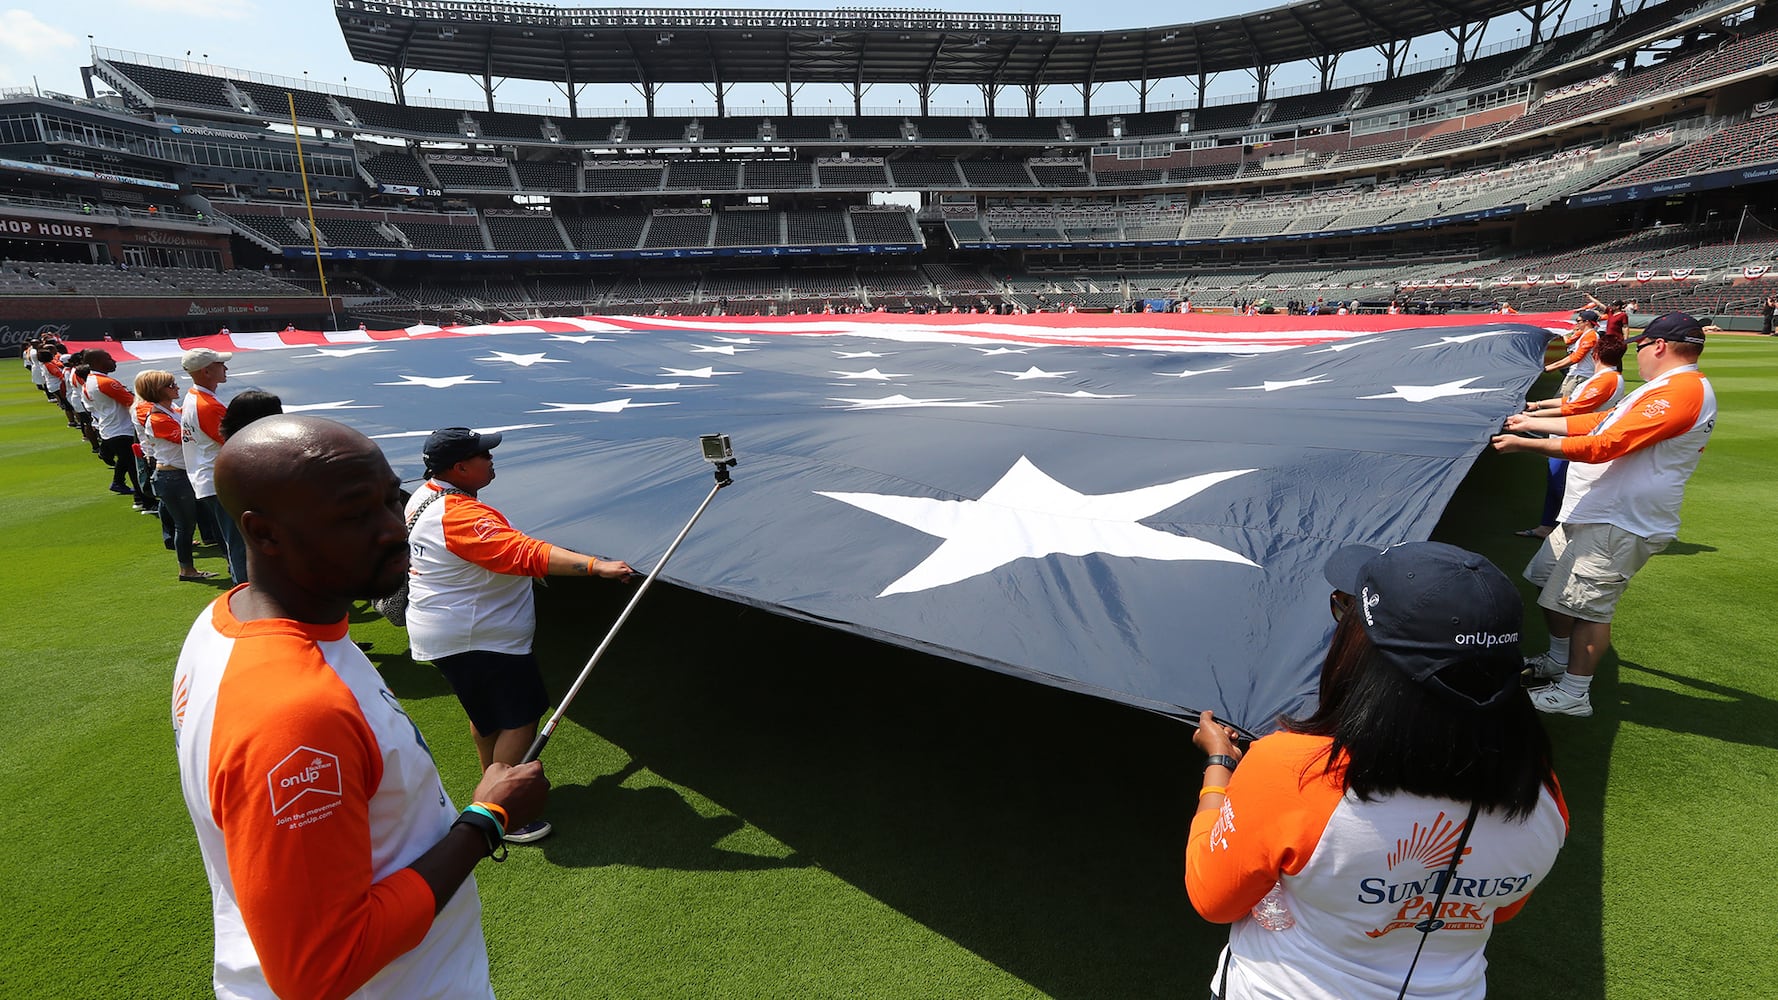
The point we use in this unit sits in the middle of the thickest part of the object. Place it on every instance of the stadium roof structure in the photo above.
(855, 46)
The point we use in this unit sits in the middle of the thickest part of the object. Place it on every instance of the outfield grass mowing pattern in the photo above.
(755, 807)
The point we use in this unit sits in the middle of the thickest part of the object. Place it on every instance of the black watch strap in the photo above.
(1221, 758)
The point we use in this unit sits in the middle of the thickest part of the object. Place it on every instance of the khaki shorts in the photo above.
(1571, 382)
(1584, 568)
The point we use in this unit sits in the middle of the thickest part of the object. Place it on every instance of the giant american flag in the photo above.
(1134, 506)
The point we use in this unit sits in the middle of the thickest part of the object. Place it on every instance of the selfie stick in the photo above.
(716, 451)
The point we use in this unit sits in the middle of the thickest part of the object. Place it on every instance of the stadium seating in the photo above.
(667, 232)
(465, 175)
(390, 167)
(1019, 129)
(996, 174)
(776, 175)
(815, 227)
(926, 176)
(943, 129)
(702, 175)
(740, 130)
(442, 236)
(360, 233)
(868, 177)
(605, 231)
(619, 177)
(873, 128)
(535, 231)
(546, 175)
(748, 228)
(884, 227)
(656, 130)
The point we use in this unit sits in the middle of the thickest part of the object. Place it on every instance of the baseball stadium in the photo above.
(1115, 318)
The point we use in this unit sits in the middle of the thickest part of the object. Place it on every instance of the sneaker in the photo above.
(1552, 699)
(530, 833)
(1542, 667)
(125, 490)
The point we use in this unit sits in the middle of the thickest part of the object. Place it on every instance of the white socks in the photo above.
(1559, 650)
(1575, 685)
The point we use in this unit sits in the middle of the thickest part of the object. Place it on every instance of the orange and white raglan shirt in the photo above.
(1630, 464)
(163, 438)
(469, 577)
(53, 380)
(201, 420)
(1355, 877)
(1581, 350)
(110, 403)
(312, 792)
(1600, 391)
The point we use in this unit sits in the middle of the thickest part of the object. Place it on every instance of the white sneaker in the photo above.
(1543, 667)
(1552, 699)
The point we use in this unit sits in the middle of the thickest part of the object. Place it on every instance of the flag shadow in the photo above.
(1004, 815)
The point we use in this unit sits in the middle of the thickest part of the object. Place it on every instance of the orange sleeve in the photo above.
(1667, 412)
(1583, 345)
(1592, 394)
(477, 533)
(1277, 806)
(210, 411)
(290, 784)
(1511, 910)
(164, 427)
(113, 388)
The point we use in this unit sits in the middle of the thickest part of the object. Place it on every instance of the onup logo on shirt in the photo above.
(1656, 409)
(305, 771)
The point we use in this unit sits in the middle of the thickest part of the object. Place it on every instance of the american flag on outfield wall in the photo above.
(1137, 507)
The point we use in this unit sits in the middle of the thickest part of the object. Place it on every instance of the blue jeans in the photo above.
(232, 542)
(1554, 491)
(178, 502)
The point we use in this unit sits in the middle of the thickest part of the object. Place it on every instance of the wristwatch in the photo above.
(1220, 758)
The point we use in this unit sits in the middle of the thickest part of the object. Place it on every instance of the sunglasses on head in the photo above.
(1338, 604)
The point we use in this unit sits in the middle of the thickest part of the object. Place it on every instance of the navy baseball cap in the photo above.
(1586, 316)
(1680, 328)
(1428, 605)
(447, 446)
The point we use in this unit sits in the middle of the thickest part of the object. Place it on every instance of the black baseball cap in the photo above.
(1428, 605)
(1679, 328)
(447, 446)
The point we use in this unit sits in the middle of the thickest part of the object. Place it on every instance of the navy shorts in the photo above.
(498, 691)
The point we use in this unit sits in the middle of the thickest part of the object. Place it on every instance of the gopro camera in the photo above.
(717, 449)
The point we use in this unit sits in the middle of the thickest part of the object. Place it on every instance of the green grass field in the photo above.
(751, 807)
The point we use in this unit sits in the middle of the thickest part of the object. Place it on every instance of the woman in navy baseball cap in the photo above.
(1378, 840)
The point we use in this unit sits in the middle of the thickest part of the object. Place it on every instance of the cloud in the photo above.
(24, 35)
(225, 10)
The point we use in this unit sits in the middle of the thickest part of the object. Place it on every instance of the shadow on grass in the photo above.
(1678, 548)
(1714, 711)
(650, 827)
(1041, 830)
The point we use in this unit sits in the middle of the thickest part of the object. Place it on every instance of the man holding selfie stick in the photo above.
(470, 607)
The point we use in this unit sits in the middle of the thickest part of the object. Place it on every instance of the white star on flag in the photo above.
(1289, 384)
(338, 404)
(1083, 394)
(872, 375)
(1035, 372)
(482, 430)
(724, 349)
(523, 360)
(579, 339)
(1337, 348)
(694, 372)
(900, 402)
(440, 382)
(342, 352)
(1188, 373)
(1029, 515)
(849, 355)
(609, 406)
(739, 340)
(988, 352)
(1463, 339)
(1423, 393)
(663, 386)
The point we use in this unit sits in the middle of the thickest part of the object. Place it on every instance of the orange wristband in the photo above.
(496, 810)
(1213, 790)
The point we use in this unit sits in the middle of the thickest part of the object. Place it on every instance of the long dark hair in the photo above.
(1393, 735)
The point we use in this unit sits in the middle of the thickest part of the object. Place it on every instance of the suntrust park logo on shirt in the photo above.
(1417, 869)
(309, 772)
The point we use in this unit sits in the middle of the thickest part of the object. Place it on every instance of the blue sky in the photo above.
(44, 42)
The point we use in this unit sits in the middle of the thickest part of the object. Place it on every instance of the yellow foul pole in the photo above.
(308, 202)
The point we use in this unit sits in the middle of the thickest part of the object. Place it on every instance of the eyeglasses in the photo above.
(1338, 603)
